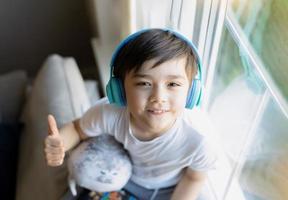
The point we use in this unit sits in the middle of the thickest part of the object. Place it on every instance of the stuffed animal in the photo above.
(99, 164)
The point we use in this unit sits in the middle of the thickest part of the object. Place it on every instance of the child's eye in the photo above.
(144, 84)
(173, 84)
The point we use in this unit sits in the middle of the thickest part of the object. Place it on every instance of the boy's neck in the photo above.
(144, 135)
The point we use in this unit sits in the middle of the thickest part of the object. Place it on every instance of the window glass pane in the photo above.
(265, 23)
(253, 131)
(236, 93)
(265, 172)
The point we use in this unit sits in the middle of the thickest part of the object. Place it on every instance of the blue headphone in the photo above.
(115, 89)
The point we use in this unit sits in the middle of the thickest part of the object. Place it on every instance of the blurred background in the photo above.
(244, 49)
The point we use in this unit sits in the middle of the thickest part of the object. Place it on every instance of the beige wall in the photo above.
(32, 29)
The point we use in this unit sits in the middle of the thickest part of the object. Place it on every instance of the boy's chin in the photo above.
(161, 126)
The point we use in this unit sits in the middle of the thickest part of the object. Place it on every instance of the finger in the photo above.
(53, 150)
(54, 157)
(52, 126)
(51, 141)
(54, 163)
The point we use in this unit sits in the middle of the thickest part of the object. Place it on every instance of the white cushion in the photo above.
(59, 90)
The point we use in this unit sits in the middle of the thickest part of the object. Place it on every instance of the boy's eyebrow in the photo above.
(138, 75)
(176, 77)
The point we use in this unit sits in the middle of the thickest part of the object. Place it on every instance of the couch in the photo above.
(58, 89)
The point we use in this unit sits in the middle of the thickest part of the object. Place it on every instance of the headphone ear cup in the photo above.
(194, 94)
(115, 92)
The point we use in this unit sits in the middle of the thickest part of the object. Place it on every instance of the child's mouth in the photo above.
(157, 111)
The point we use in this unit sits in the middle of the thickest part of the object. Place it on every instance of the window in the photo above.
(247, 96)
(264, 23)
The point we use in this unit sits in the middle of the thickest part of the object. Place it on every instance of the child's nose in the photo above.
(158, 94)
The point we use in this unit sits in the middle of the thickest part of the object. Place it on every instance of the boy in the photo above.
(152, 79)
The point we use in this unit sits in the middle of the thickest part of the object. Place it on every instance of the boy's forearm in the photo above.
(71, 135)
(189, 187)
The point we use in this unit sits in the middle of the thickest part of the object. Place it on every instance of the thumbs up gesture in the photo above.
(54, 146)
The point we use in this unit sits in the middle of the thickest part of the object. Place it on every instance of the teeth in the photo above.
(157, 111)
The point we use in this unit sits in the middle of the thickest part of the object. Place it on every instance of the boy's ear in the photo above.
(115, 92)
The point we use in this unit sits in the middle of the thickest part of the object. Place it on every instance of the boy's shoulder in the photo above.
(189, 132)
(103, 111)
(197, 127)
(198, 120)
(104, 103)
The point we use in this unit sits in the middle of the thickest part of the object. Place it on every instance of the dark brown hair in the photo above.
(160, 45)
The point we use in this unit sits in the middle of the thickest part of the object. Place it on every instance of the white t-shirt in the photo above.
(157, 163)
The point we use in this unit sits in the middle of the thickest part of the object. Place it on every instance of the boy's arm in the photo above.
(189, 186)
(71, 134)
(59, 141)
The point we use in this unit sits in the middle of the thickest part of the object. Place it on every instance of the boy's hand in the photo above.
(54, 147)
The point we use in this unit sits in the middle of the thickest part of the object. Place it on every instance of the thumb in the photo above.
(52, 126)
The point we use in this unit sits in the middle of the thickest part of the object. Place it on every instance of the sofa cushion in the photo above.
(12, 90)
(59, 90)
(92, 91)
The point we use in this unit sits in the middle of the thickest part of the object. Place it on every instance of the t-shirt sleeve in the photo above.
(204, 157)
(98, 120)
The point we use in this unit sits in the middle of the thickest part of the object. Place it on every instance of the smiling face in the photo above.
(156, 96)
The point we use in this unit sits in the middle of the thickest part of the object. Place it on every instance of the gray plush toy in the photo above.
(99, 164)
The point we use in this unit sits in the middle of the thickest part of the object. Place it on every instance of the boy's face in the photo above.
(156, 96)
